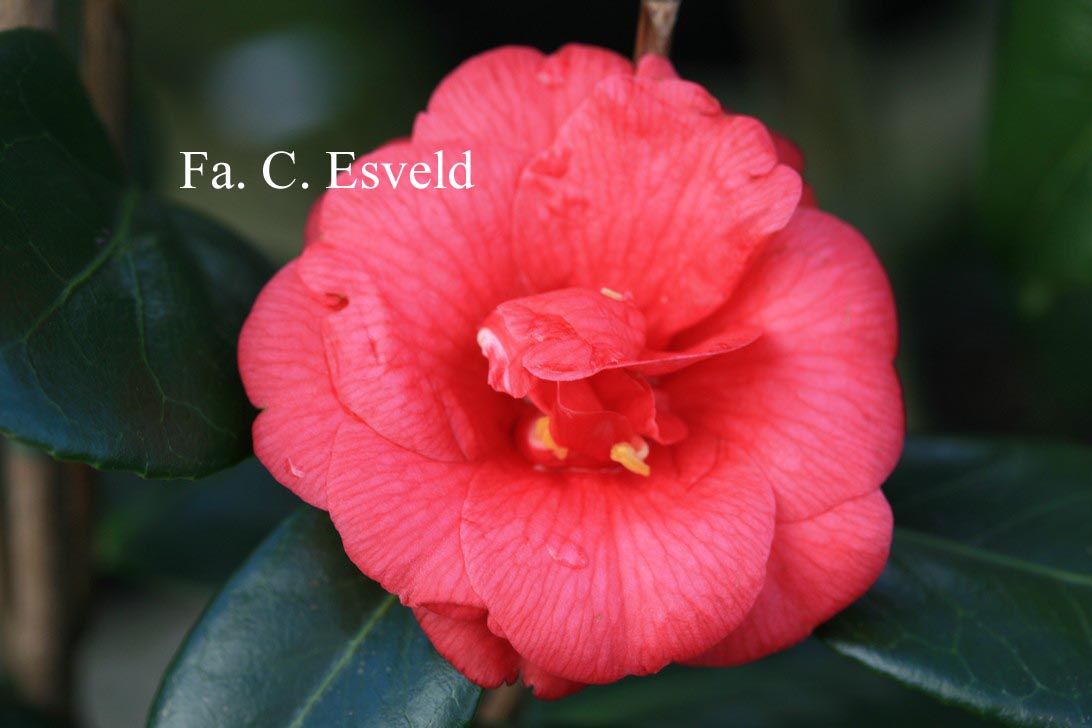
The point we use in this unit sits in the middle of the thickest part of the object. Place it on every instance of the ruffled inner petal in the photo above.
(580, 357)
(558, 336)
(671, 211)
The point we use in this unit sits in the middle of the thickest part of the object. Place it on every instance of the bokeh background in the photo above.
(890, 102)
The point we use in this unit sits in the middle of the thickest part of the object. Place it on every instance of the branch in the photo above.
(655, 26)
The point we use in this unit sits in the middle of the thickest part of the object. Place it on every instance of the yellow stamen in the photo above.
(541, 433)
(611, 294)
(630, 457)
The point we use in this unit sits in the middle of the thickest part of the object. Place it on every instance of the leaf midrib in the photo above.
(342, 660)
(993, 557)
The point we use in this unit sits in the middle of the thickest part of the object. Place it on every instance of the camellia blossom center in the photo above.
(580, 361)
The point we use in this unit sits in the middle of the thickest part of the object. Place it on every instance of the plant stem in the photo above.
(32, 13)
(105, 64)
(499, 706)
(45, 513)
(655, 27)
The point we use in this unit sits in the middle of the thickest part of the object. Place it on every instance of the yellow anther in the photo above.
(541, 433)
(611, 294)
(630, 457)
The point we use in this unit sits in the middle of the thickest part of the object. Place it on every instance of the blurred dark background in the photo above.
(888, 100)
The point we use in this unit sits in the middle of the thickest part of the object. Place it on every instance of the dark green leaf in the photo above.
(806, 686)
(198, 531)
(987, 598)
(299, 638)
(1038, 186)
(119, 314)
(1037, 194)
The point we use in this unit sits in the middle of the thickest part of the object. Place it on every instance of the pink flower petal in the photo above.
(487, 659)
(560, 336)
(575, 333)
(468, 644)
(595, 575)
(547, 686)
(417, 271)
(790, 154)
(657, 67)
(815, 401)
(284, 372)
(516, 96)
(817, 568)
(670, 211)
(398, 515)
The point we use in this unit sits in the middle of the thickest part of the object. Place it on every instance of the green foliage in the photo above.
(1037, 203)
(805, 686)
(299, 637)
(1038, 187)
(987, 598)
(120, 313)
(195, 531)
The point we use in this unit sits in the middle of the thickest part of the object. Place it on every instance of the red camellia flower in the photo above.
(628, 400)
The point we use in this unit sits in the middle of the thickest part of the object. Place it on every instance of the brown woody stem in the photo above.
(499, 706)
(105, 64)
(655, 28)
(44, 528)
(32, 13)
